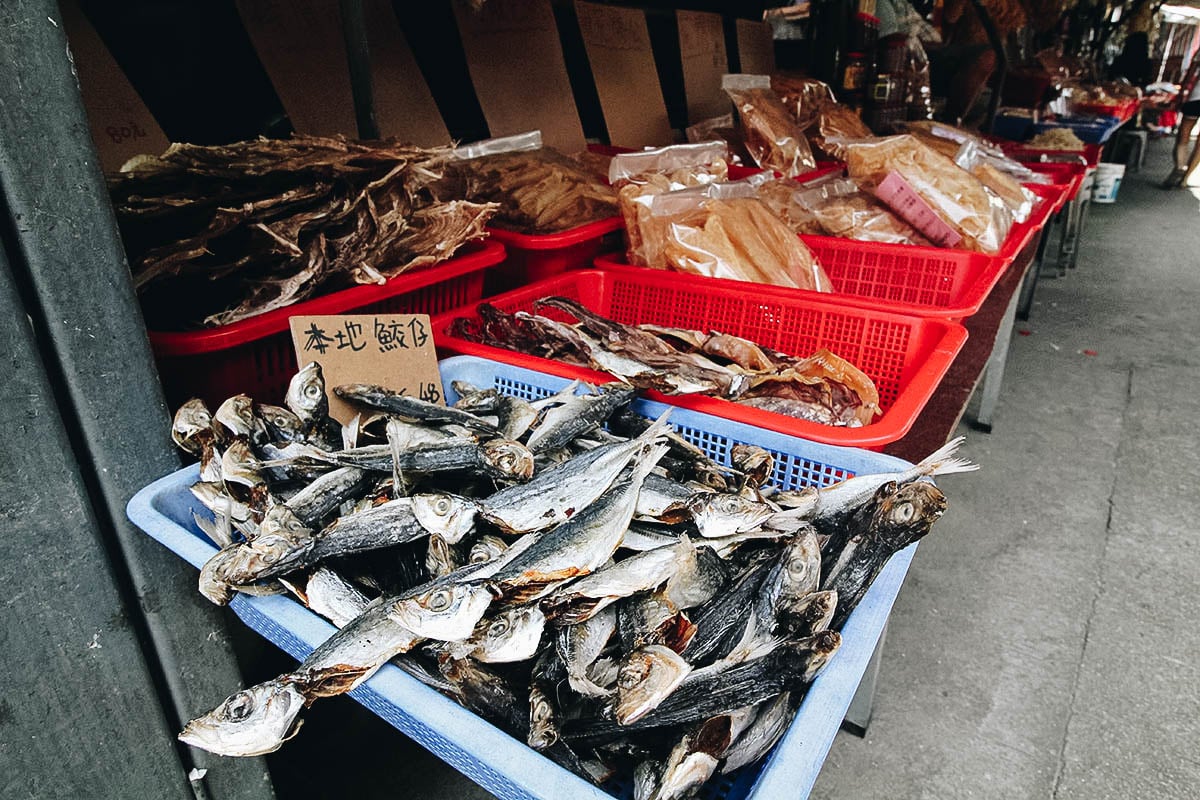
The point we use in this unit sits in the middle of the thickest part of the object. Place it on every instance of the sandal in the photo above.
(1174, 180)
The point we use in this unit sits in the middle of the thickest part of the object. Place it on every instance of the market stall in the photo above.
(589, 459)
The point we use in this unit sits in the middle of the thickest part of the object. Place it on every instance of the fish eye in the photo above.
(269, 557)
(441, 506)
(440, 600)
(798, 566)
(239, 707)
(312, 391)
(479, 556)
(498, 628)
(905, 512)
(731, 504)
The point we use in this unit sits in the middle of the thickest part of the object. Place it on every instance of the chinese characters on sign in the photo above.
(391, 350)
(389, 332)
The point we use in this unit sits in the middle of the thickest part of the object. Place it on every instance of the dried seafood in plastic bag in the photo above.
(725, 231)
(946, 203)
(773, 137)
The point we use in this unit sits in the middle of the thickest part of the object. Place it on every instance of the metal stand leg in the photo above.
(1083, 215)
(1029, 285)
(994, 374)
(1066, 244)
(858, 715)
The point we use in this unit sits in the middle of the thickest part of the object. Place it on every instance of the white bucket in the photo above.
(1108, 181)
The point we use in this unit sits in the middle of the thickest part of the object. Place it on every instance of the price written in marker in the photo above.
(394, 351)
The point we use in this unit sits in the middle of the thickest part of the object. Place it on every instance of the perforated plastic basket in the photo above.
(912, 279)
(533, 257)
(255, 356)
(502, 765)
(905, 356)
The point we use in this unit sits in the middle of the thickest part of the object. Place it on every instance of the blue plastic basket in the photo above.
(1093, 130)
(507, 767)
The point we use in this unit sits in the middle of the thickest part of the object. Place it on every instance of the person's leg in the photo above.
(1182, 140)
(1181, 170)
(1193, 162)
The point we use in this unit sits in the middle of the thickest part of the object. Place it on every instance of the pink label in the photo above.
(904, 200)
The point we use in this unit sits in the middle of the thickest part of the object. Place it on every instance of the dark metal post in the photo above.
(358, 56)
(79, 716)
(997, 43)
(68, 261)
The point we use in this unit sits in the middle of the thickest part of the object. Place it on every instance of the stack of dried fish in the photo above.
(611, 596)
(822, 388)
(218, 234)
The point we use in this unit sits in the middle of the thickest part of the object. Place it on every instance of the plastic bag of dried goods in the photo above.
(641, 175)
(725, 231)
(539, 190)
(947, 204)
(842, 208)
(773, 137)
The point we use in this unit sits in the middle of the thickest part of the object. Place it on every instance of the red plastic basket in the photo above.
(1022, 152)
(255, 356)
(905, 356)
(910, 279)
(534, 257)
(1069, 175)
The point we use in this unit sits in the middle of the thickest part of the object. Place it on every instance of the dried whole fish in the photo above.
(673, 648)
(822, 387)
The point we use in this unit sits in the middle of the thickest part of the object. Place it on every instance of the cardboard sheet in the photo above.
(756, 47)
(404, 106)
(515, 58)
(122, 126)
(702, 47)
(301, 46)
(394, 351)
(618, 47)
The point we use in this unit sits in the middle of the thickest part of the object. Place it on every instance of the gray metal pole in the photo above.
(65, 248)
(80, 716)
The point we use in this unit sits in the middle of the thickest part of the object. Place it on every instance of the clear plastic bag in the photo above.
(773, 137)
(539, 190)
(984, 161)
(725, 231)
(843, 209)
(641, 176)
(947, 204)
(802, 96)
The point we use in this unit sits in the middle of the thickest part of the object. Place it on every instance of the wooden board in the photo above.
(702, 48)
(404, 106)
(121, 124)
(756, 47)
(516, 63)
(301, 46)
(618, 47)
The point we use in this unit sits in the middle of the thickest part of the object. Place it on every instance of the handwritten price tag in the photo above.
(390, 350)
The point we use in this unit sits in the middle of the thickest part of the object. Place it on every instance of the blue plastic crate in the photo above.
(1093, 130)
(507, 767)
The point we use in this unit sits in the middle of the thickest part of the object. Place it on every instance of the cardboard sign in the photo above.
(301, 46)
(122, 127)
(516, 63)
(756, 47)
(394, 351)
(702, 46)
(404, 106)
(618, 48)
